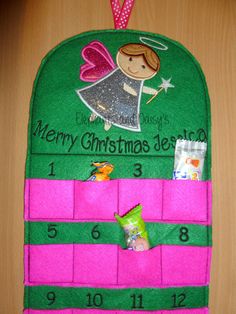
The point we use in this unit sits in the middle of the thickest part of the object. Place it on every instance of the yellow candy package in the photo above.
(134, 228)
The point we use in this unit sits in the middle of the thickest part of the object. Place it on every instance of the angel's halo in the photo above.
(147, 41)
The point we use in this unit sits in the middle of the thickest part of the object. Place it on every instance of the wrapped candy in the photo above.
(134, 228)
(189, 160)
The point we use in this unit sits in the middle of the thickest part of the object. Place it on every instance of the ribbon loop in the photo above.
(122, 14)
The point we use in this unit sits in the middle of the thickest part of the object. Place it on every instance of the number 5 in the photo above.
(52, 231)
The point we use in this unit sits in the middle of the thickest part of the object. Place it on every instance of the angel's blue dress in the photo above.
(108, 99)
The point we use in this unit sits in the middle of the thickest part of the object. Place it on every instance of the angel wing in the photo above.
(98, 62)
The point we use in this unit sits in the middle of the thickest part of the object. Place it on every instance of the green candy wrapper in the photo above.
(134, 227)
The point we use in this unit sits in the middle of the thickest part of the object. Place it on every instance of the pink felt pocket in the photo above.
(88, 264)
(96, 200)
(96, 311)
(165, 200)
(29, 311)
(50, 263)
(146, 192)
(52, 199)
(187, 311)
(74, 311)
(185, 200)
(185, 265)
(139, 269)
(95, 264)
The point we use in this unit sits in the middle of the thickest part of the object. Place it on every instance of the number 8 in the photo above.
(183, 236)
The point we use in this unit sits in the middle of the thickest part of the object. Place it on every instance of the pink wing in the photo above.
(98, 62)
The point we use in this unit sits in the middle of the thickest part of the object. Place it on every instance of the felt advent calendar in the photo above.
(124, 97)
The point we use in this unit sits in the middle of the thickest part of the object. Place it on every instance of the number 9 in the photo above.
(51, 296)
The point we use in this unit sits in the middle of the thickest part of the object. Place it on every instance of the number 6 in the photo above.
(95, 233)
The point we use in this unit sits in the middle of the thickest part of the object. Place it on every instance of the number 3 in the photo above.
(137, 170)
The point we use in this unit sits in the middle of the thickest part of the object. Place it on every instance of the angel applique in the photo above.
(116, 91)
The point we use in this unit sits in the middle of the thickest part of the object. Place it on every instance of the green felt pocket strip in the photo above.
(55, 297)
(111, 233)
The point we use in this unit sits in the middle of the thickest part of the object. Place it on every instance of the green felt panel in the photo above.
(54, 297)
(111, 233)
(59, 130)
(69, 166)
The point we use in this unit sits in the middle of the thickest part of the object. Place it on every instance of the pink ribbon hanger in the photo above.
(121, 15)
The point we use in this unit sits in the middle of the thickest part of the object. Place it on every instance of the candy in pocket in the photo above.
(189, 160)
(102, 172)
(135, 230)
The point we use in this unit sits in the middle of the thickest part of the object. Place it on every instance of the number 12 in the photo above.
(178, 300)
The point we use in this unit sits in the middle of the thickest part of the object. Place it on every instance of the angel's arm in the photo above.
(149, 90)
(129, 89)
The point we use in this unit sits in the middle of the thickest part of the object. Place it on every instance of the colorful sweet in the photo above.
(135, 230)
(103, 169)
(189, 160)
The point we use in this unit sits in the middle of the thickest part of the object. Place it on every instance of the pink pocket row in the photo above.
(87, 264)
(165, 200)
(96, 311)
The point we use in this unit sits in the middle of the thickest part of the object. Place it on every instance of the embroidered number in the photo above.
(95, 233)
(52, 231)
(137, 301)
(137, 170)
(95, 300)
(178, 300)
(51, 174)
(51, 297)
(183, 234)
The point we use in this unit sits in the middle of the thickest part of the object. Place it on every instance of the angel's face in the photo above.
(134, 66)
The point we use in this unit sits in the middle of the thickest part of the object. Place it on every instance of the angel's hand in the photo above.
(129, 90)
(149, 90)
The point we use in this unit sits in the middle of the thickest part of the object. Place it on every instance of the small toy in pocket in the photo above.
(103, 169)
(189, 160)
(135, 231)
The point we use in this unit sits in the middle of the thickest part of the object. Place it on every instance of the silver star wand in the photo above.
(164, 86)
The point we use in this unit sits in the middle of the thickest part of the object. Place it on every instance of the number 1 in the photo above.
(51, 174)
